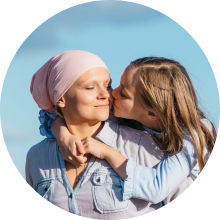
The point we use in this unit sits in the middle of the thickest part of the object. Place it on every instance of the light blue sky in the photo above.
(116, 31)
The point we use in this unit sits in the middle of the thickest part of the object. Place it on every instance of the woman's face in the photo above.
(127, 102)
(88, 99)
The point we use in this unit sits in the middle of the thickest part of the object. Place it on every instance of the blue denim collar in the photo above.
(108, 133)
(153, 132)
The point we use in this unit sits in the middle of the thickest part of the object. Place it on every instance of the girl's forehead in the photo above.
(128, 76)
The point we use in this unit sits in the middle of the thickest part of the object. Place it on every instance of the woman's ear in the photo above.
(61, 103)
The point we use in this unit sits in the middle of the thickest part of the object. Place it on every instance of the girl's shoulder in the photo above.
(207, 123)
(188, 143)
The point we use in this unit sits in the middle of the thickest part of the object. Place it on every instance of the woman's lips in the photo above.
(102, 106)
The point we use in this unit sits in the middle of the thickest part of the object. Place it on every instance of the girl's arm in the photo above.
(51, 127)
(155, 184)
(102, 151)
(150, 184)
(70, 145)
(72, 148)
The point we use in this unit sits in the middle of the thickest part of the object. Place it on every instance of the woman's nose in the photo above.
(104, 93)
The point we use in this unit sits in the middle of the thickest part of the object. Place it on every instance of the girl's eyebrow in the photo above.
(121, 85)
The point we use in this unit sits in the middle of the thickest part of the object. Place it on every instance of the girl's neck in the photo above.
(153, 125)
(86, 129)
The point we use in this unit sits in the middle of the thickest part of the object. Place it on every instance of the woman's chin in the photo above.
(103, 117)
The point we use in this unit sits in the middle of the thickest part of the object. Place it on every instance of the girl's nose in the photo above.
(115, 92)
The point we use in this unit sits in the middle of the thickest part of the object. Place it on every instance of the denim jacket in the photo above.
(164, 181)
(98, 194)
(169, 178)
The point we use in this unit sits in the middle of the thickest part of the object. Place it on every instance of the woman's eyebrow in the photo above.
(108, 81)
(94, 81)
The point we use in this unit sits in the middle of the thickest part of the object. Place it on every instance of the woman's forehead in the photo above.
(95, 74)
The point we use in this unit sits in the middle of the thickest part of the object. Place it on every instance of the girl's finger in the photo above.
(80, 147)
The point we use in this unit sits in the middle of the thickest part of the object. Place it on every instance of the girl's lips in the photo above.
(114, 104)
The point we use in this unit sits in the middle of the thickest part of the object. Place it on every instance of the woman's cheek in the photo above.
(111, 100)
(86, 98)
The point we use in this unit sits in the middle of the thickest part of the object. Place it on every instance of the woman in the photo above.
(76, 85)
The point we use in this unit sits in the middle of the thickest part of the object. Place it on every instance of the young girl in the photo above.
(158, 93)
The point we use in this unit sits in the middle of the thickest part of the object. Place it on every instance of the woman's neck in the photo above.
(85, 129)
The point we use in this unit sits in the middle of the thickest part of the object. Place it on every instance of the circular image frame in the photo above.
(14, 58)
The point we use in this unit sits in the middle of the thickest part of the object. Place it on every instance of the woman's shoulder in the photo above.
(41, 148)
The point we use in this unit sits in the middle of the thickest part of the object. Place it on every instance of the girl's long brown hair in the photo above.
(165, 86)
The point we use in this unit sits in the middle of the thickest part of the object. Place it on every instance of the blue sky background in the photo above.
(116, 31)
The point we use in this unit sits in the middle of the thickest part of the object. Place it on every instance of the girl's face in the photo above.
(129, 104)
(126, 100)
(88, 99)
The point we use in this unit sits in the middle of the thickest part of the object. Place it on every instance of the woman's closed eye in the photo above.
(90, 87)
(108, 86)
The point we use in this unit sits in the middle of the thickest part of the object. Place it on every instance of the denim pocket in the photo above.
(43, 187)
(107, 191)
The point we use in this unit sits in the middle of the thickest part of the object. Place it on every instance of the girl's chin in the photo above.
(116, 113)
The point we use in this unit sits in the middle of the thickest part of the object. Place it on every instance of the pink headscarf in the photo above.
(58, 74)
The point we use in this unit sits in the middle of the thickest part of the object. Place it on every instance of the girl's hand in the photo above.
(70, 145)
(95, 147)
(102, 151)
(72, 149)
